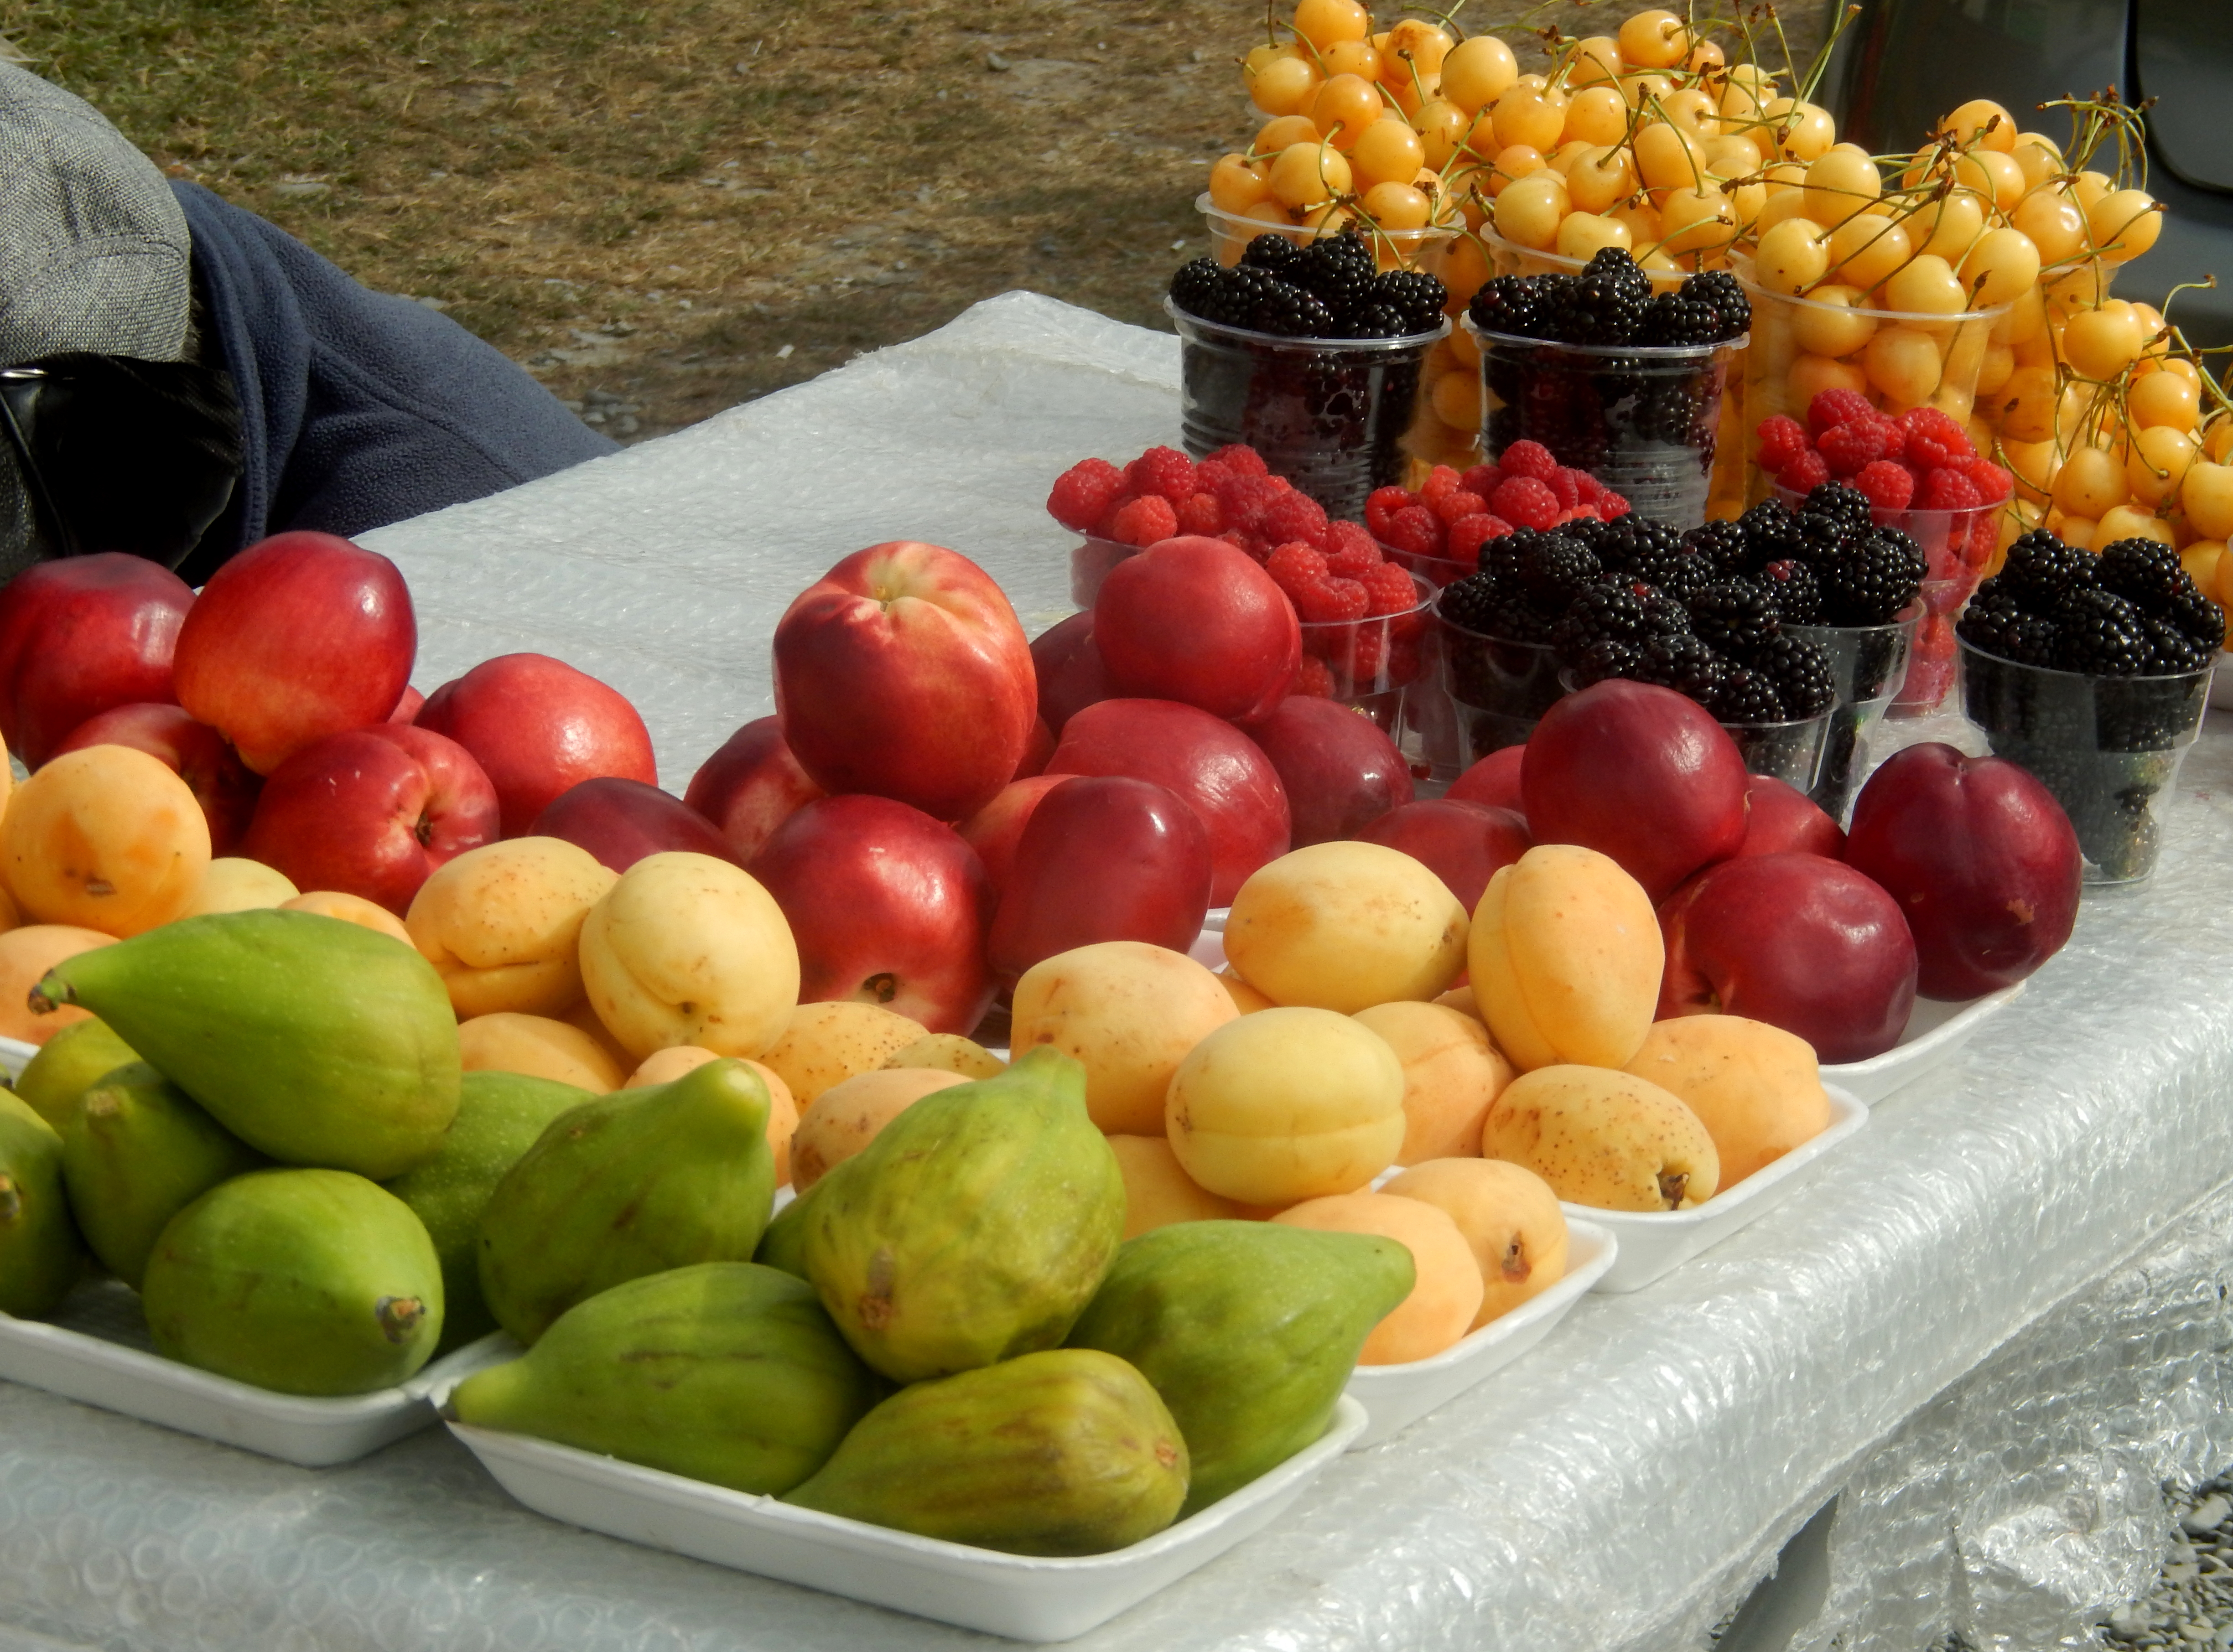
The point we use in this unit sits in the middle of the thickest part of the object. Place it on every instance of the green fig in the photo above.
(727, 1372)
(136, 1153)
(636, 1182)
(499, 1116)
(41, 1256)
(303, 1281)
(314, 1041)
(1248, 1331)
(1068, 1451)
(783, 1246)
(974, 1227)
(78, 1057)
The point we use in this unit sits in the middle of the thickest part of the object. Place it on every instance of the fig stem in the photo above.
(50, 994)
(11, 1199)
(399, 1316)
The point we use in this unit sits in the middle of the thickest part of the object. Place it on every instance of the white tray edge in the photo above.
(1879, 1076)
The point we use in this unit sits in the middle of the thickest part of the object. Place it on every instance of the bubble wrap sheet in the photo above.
(1929, 1319)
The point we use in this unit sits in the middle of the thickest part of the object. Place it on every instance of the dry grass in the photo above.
(667, 207)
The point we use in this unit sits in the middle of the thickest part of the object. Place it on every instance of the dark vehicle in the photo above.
(1903, 64)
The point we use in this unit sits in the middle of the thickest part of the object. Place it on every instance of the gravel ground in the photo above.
(2192, 1602)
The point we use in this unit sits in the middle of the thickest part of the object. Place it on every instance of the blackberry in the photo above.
(1616, 268)
(1634, 539)
(1734, 617)
(1273, 252)
(1805, 682)
(1725, 548)
(1468, 601)
(2040, 568)
(1606, 303)
(1608, 657)
(1554, 571)
(1376, 321)
(1746, 696)
(1793, 591)
(1604, 612)
(1412, 294)
(1588, 530)
(1685, 664)
(2146, 573)
(1671, 319)
(1338, 271)
(1512, 305)
(1679, 572)
(1994, 622)
(1521, 620)
(1276, 306)
(2103, 635)
(2172, 652)
(1771, 533)
(1846, 506)
(2199, 619)
(1870, 577)
(1203, 287)
(1721, 289)
(1664, 616)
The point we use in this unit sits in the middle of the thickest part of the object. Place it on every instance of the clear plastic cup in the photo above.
(2109, 748)
(1871, 664)
(1645, 421)
(1370, 663)
(1438, 571)
(1898, 359)
(1091, 561)
(1330, 415)
(1790, 751)
(1231, 232)
(1497, 687)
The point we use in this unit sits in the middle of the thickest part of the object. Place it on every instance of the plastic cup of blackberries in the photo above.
(1231, 233)
(2093, 672)
(1310, 355)
(1612, 377)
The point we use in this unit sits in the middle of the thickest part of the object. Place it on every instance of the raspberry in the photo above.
(1331, 600)
(1241, 542)
(1203, 514)
(1782, 439)
(1382, 504)
(1806, 472)
(1294, 516)
(1935, 439)
(1361, 656)
(1578, 513)
(1239, 458)
(1246, 501)
(1294, 568)
(1481, 479)
(1831, 407)
(1527, 458)
(1467, 537)
(1612, 507)
(1416, 530)
(1993, 484)
(1562, 489)
(1389, 590)
(1948, 489)
(1348, 560)
(1888, 486)
(1084, 493)
(1312, 677)
(1163, 471)
(1143, 521)
(1588, 490)
(1440, 481)
(1458, 504)
(1895, 435)
(1524, 501)
(1847, 447)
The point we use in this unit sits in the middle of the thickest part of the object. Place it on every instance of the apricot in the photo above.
(583, 1016)
(232, 884)
(845, 1118)
(823, 1043)
(1756, 1089)
(1128, 1010)
(1604, 1138)
(349, 908)
(26, 954)
(688, 949)
(503, 924)
(1447, 1291)
(1565, 956)
(106, 838)
(506, 1042)
(665, 1066)
(1286, 1104)
(1451, 1073)
(950, 1053)
(1158, 1191)
(1246, 998)
(1343, 925)
(1508, 1215)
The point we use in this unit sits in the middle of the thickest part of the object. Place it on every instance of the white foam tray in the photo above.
(1934, 1032)
(97, 1351)
(1397, 1396)
(1023, 1597)
(15, 1056)
(1654, 1241)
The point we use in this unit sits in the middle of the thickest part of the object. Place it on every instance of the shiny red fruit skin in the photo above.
(619, 822)
(1464, 844)
(1070, 671)
(1780, 818)
(1198, 620)
(1103, 857)
(1796, 940)
(1339, 770)
(1982, 859)
(538, 728)
(221, 782)
(80, 636)
(1493, 781)
(751, 785)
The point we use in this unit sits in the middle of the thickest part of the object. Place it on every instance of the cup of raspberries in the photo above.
(1612, 378)
(1439, 530)
(2093, 672)
(1312, 356)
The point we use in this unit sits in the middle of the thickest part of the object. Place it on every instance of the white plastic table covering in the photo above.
(1618, 1489)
